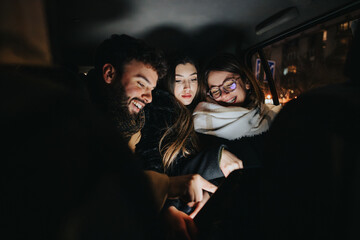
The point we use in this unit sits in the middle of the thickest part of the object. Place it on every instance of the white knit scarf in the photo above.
(233, 122)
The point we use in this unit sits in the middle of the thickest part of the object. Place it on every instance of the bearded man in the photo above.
(126, 71)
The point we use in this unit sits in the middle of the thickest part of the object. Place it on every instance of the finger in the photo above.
(241, 164)
(194, 193)
(207, 185)
(225, 171)
(199, 205)
(195, 188)
(198, 189)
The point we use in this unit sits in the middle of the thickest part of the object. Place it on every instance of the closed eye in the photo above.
(215, 91)
(141, 84)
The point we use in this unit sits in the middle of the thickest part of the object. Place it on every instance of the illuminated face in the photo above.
(186, 83)
(227, 88)
(138, 81)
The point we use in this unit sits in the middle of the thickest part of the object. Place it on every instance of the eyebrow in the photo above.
(226, 78)
(179, 75)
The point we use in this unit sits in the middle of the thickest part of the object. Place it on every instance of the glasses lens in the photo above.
(215, 92)
(230, 85)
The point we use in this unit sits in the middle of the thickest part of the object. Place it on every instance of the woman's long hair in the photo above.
(230, 63)
(180, 138)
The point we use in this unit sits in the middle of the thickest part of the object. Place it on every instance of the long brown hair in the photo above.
(181, 136)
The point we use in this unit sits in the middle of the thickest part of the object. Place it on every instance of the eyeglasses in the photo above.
(227, 86)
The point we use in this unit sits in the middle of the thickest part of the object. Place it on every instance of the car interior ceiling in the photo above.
(66, 33)
(75, 28)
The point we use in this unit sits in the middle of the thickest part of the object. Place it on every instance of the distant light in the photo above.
(292, 69)
(344, 26)
(324, 35)
(286, 70)
(268, 99)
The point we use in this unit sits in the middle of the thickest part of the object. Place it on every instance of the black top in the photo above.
(160, 114)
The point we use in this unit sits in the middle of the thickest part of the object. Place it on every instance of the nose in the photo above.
(223, 94)
(147, 96)
(187, 85)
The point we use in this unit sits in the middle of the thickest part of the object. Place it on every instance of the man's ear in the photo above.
(108, 73)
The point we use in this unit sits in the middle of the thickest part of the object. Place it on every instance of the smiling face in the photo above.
(233, 98)
(186, 83)
(138, 81)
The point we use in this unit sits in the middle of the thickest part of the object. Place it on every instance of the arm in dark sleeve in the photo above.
(205, 163)
(248, 149)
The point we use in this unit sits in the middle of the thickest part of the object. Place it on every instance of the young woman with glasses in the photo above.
(235, 113)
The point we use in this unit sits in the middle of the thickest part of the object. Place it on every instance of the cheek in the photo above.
(177, 90)
(132, 91)
(194, 87)
(241, 95)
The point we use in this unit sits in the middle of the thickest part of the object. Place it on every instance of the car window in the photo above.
(308, 59)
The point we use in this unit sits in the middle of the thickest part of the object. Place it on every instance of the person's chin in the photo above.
(187, 102)
(231, 102)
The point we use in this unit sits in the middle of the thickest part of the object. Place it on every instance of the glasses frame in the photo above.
(221, 87)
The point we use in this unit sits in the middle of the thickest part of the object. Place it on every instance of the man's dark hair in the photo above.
(121, 49)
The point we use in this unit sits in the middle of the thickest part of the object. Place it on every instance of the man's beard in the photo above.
(128, 124)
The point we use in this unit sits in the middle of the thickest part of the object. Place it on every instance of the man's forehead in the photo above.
(140, 69)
